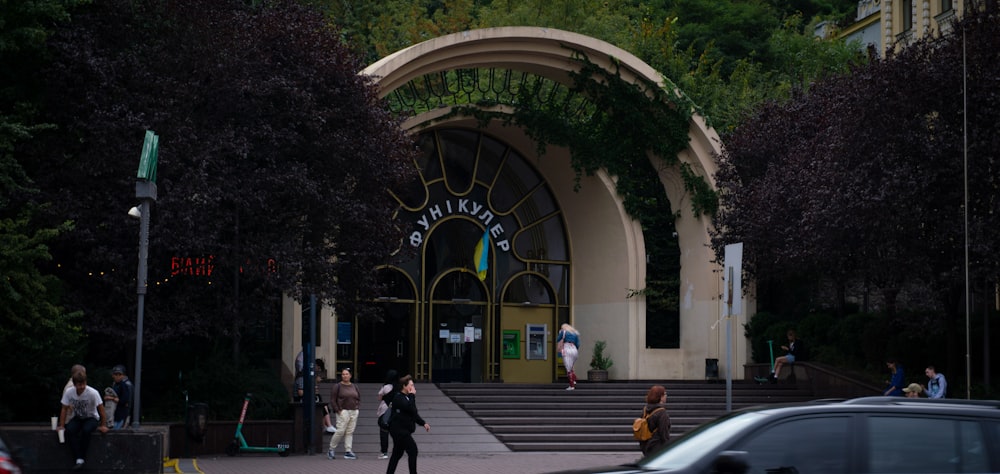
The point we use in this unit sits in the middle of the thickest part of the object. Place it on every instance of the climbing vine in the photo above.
(606, 123)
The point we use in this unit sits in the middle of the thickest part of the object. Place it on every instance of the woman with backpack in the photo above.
(385, 396)
(655, 413)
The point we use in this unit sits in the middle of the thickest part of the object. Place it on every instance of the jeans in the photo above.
(78, 432)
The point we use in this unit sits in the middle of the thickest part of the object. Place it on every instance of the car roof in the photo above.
(986, 408)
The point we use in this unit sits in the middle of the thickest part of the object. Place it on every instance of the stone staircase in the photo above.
(598, 416)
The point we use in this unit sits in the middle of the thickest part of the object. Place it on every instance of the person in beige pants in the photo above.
(345, 400)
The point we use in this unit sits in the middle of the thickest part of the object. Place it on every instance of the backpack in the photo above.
(640, 427)
(385, 419)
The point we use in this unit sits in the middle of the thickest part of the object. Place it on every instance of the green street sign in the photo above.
(147, 161)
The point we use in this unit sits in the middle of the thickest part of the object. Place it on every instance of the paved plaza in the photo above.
(514, 462)
(456, 444)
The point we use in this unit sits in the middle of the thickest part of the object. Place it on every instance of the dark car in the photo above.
(8, 463)
(870, 435)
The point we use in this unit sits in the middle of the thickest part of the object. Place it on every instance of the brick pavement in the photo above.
(513, 463)
(456, 444)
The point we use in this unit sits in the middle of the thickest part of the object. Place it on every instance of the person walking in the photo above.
(385, 396)
(658, 421)
(346, 402)
(936, 383)
(894, 386)
(405, 419)
(122, 397)
(568, 346)
(87, 407)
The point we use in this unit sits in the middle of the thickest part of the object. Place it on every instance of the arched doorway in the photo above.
(473, 184)
(434, 86)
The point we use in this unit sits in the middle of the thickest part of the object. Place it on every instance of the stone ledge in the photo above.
(114, 452)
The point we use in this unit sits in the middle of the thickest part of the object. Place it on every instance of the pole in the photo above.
(147, 191)
(729, 343)
(965, 168)
(309, 384)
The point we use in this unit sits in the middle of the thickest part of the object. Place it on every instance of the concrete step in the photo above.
(599, 416)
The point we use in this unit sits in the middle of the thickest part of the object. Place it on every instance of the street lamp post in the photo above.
(145, 191)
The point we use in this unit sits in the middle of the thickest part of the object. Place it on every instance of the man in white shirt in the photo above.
(87, 408)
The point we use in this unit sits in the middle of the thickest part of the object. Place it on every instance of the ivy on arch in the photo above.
(606, 123)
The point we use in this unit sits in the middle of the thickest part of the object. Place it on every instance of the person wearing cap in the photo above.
(913, 390)
(122, 396)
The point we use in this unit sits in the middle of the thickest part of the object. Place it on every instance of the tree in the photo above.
(861, 179)
(40, 339)
(274, 163)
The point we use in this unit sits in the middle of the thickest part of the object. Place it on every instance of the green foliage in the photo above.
(598, 360)
(261, 114)
(40, 339)
(615, 128)
(817, 194)
(207, 372)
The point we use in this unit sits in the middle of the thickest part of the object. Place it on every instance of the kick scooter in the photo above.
(239, 444)
(770, 350)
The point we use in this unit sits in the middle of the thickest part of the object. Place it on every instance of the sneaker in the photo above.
(570, 388)
(331, 455)
(349, 455)
(330, 429)
(78, 465)
(383, 456)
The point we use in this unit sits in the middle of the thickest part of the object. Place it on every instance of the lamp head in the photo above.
(135, 212)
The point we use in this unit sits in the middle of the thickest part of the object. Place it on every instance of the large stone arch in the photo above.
(607, 244)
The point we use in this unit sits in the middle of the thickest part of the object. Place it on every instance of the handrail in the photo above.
(825, 381)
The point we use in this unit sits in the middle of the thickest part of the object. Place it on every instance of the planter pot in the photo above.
(597, 375)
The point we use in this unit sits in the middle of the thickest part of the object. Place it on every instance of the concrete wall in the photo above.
(116, 451)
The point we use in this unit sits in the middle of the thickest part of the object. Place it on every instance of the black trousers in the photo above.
(78, 432)
(383, 439)
(402, 441)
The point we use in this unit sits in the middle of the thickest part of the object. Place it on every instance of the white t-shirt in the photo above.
(85, 404)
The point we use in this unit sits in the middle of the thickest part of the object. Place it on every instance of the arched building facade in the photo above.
(559, 250)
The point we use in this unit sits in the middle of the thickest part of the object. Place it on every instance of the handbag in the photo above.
(383, 421)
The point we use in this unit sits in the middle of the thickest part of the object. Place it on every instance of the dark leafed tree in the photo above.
(275, 158)
(863, 177)
(40, 339)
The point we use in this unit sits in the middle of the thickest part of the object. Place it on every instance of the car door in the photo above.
(819, 444)
(915, 443)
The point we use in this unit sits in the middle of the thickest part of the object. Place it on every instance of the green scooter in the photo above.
(770, 350)
(239, 444)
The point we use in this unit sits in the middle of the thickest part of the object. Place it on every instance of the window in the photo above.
(946, 5)
(917, 445)
(907, 14)
(807, 445)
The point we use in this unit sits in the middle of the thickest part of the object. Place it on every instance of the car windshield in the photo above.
(707, 438)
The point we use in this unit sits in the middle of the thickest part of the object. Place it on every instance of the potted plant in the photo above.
(599, 363)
